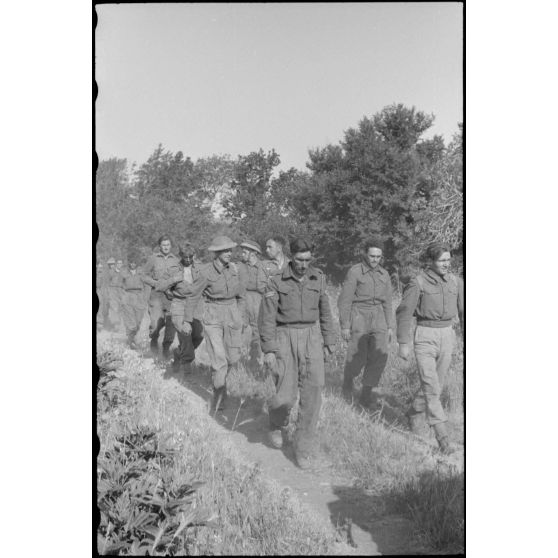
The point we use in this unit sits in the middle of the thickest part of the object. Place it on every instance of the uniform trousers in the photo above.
(222, 324)
(300, 366)
(433, 351)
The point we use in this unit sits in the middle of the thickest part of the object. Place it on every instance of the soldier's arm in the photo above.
(191, 301)
(241, 299)
(267, 320)
(405, 311)
(147, 273)
(261, 278)
(345, 300)
(388, 305)
(461, 303)
(167, 282)
(326, 317)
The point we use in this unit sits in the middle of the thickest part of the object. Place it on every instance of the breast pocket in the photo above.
(432, 302)
(311, 297)
(364, 288)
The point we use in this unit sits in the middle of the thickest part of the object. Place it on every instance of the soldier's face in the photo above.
(224, 256)
(301, 262)
(442, 264)
(165, 247)
(245, 255)
(118, 265)
(133, 267)
(272, 248)
(373, 257)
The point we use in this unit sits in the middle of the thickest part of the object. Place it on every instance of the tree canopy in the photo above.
(383, 178)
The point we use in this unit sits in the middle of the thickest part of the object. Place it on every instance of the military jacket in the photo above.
(295, 303)
(253, 277)
(132, 282)
(160, 267)
(114, 279)
(367, 289)
(184, 287)
(433, 299)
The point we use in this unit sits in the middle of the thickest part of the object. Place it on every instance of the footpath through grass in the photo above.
(169, 483)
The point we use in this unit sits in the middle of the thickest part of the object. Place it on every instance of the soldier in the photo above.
(114, 294)
(435, 297)
(133, 302)
(367, 321)
(185, 317)
(295, 301)
(277, 259)
(254, 278)
(224, 310)
(161, 265)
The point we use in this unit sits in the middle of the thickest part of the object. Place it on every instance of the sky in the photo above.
(233, 78)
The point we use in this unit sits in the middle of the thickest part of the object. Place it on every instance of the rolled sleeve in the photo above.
(405, 311)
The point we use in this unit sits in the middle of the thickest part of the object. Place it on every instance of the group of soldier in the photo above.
(278, 310)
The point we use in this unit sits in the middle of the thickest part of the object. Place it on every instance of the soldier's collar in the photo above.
(438, 278)
(288, 272)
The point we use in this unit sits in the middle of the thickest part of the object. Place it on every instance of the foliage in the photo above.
(383, 178)
(373, 182)
(442, 218)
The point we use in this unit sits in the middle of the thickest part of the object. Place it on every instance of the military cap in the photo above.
(220, 243)
(251, 245)
(111, 261)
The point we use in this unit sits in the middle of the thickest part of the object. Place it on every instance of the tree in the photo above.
(441, 219)
(373, 182)
(111, 198)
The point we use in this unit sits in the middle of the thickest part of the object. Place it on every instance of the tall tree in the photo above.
(374, 181)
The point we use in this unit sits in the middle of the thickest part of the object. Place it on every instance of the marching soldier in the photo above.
(367, 321)
(277, 259)
(185, 317)
(254, 279)
(294, 310)
(224, 309)
(435, 297)
(161, 265)
(133, 303)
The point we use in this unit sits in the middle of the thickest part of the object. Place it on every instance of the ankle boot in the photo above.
(443, 439)
(365, 398)
(348, 388)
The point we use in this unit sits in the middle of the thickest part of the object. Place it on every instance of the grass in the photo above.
(400, 473)
(170, 483)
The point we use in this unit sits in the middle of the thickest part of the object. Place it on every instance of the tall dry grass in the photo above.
(234, 511)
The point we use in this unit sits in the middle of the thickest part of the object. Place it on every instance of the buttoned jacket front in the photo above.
(159, 267)
(435, 301)
(367, 289)
(253, 276)
(296, 303)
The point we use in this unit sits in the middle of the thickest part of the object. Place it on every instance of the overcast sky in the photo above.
(231, 78)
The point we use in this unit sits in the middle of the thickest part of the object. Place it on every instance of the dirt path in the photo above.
(325, 493)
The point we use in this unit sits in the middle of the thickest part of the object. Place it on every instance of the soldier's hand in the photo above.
(270, 361)
(346, 334)
(187, 328)
(328, 353)
(404, 351)
(168, 294)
